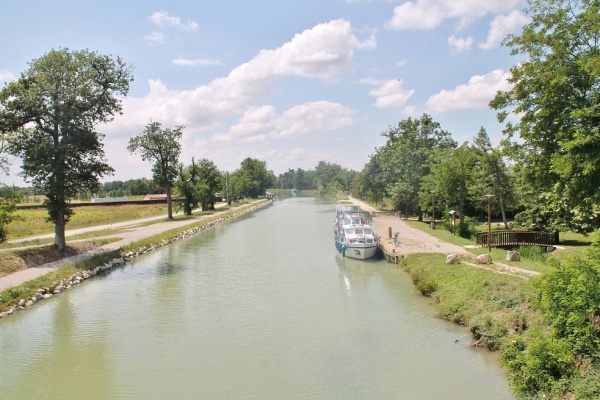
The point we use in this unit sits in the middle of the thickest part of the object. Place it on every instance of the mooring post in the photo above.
(390, 232)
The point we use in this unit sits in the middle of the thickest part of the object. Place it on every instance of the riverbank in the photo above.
(494, 301)
(24, 288)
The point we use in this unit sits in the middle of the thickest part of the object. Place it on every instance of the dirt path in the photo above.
(414, 241)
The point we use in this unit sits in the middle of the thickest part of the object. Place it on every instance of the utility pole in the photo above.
(489, 197)
(227, 188)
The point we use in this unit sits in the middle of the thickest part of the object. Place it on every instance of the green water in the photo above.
(261, 308)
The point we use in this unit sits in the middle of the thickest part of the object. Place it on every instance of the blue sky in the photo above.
(289, 83)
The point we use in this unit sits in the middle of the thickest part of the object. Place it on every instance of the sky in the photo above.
(288, 83)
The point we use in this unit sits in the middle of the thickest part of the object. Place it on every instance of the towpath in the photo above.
(414, 241)
(132, 231)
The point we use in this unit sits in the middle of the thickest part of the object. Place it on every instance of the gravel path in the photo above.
(414, 241)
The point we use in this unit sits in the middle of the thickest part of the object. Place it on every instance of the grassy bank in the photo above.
(546, 329)
(491, 305)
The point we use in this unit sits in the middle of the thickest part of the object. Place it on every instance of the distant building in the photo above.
(109, 199)
(155, 197)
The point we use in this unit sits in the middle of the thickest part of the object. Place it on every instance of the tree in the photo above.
(210, 178)
(495, 178)
(139, 187)
(371, 184)
(404, 157)
(253, 178)
(186, 184)
(51, 112)
(199, 182)
(556, 93)
(451, 177)
(162, 147)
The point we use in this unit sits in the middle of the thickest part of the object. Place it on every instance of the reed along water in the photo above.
(260, 308)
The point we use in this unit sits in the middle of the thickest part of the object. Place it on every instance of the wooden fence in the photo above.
(508, 238)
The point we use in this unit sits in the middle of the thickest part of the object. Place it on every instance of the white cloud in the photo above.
(423, 14)
(6, 76)
(163, 19)
(323, 52)
(315, 116)
(476, 94)
(410, 111)
(391, 94)
(263, 123)
(195, 62)
(503, 25)
(155, 37)
(428, 14)
(459, 45)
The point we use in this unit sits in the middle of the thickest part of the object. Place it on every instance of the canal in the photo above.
(259, 308)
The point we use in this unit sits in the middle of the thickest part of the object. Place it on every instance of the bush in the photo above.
(541, 367)
(570, 298)
(588, 385)
(533, 253)
(489, 331)
(425, 283)
(8, 206)
(466, 228)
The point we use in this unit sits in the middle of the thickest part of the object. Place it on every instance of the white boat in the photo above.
(353, 233)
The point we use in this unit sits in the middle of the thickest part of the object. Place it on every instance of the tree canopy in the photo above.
(403, 158)
(162, 147)
(556, 94)
(252, 178)
(49, 115)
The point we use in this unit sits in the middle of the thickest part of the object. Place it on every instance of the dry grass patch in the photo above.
(17, 260)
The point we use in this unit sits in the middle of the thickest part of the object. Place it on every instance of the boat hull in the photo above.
(359, 252)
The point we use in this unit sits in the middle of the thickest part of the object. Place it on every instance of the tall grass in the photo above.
(491, 305)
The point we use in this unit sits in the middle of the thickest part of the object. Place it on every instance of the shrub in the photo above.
(8, 206)
(533, 253)
(425, 283)
(466, 228)
(541, 367)
(588, 385)
(570, 298)
(489, 331)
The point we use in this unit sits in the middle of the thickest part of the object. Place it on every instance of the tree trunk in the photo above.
(503, 212)
(499, 194)
(59, 232)
(169, 204)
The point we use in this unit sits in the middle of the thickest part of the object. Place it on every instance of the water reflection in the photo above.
(260, 308)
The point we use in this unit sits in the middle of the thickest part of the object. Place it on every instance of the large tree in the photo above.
(51, 113)
(556, 94)
(253, 178)
(404, 158)
(452, 178)
(198, 183)
(162, 147)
